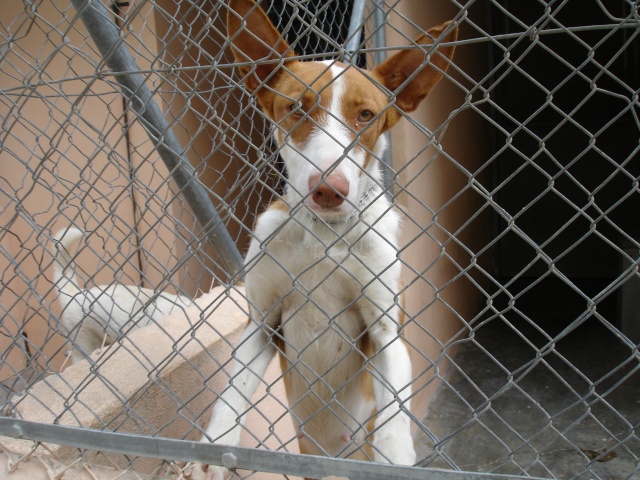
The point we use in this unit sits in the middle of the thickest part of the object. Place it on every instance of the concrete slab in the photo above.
(535, 392)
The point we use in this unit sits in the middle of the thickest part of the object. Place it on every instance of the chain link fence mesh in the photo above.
(517, 183)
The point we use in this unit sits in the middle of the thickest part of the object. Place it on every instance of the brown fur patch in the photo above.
(279, 341)
(300, 100)
(280, 205)
(367, 348)
(362, 94)
(302, 96)
(246, 49)
(395, 72)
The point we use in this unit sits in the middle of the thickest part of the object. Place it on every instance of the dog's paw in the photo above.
(200, 471)
(398, 450)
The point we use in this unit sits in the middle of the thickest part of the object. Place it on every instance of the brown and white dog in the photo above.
(322, 268)
(96, 316)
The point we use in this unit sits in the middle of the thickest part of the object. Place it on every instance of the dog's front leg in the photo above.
(391, 369)
(250, 361)
(392, 438)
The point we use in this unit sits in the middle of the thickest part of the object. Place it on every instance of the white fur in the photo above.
(97, 316)
(322, 268)
(325, 152)
(324, 279)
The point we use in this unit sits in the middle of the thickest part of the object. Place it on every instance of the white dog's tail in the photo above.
(63, 275)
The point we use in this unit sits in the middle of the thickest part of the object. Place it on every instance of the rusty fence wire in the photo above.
(517, 184)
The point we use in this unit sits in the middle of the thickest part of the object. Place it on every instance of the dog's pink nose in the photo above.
(328, 193)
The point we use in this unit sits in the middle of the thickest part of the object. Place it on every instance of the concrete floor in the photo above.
(532, 393)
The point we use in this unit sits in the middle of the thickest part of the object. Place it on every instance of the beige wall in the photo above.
(223, 134)
(38, 174)
(430, 181)
(430, 186)
(57, 172)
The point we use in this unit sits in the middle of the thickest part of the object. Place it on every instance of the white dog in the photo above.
(322, 268)
(97, 316)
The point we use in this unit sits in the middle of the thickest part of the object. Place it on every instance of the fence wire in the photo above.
(517, 185)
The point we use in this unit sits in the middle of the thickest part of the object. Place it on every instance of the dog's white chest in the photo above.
(324, 284)
(315, 284)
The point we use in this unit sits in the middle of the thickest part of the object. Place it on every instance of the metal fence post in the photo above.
(379, 41)
(379, 56)
(355, 30)
(105, 35)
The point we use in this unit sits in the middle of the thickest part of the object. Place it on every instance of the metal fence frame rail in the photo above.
(230, 457)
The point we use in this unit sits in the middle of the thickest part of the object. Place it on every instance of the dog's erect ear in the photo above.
(255, 39)
(396, 70)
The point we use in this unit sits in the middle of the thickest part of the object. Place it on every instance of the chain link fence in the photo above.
(517, 183)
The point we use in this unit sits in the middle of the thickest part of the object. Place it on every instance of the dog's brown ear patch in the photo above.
(254, 39)
(395, 71)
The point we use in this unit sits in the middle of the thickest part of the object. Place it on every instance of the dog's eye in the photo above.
(365, 116)
(296, 108)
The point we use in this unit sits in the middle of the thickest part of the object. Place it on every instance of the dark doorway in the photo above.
(566, 137)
